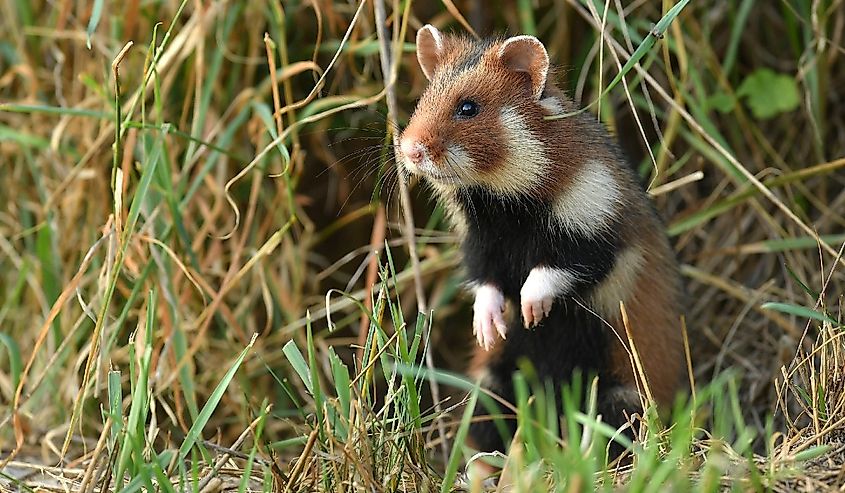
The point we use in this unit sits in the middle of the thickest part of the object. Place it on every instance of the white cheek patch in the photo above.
(620, 282)
(526, 163)
(551, 105)
(590, 202)
(457, 159)
(427, 166)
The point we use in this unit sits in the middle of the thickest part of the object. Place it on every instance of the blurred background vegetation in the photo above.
(144, 191)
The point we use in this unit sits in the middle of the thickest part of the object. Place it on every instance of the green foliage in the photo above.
(721, 102)
(389, 426)
(769, 94)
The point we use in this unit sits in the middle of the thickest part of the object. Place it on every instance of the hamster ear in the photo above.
(429, 49)
(527, 54)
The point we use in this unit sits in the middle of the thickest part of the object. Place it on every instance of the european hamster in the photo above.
(555, 227)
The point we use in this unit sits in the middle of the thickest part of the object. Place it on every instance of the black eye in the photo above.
(466, 109)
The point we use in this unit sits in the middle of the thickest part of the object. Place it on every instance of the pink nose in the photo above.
(412, 150)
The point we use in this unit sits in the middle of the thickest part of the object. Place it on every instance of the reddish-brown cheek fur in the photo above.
(485, 152)
(437, 131)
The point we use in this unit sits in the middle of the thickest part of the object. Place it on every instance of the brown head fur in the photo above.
(509, 145)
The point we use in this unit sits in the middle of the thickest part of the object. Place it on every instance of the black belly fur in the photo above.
(505, 239)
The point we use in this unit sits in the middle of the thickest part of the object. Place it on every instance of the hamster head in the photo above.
(479, 121)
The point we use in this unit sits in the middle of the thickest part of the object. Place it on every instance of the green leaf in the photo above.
(297, 361)
(721, 102)
(768, 93)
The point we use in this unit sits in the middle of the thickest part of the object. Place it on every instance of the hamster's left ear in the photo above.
(429, 49)
(527, 54)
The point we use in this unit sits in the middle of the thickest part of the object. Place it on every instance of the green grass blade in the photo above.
(340, 374)
(800, 311)
(801, 243)
(194, 433)
(115, 405)
(141, 192)
(460, 438)
(96, 14)
(15, 361)
(23, 138)
(297, 361)
(737, 29)
(133, 437)
(53, 110)
(813, 293)
(656, 33)
(259, 430)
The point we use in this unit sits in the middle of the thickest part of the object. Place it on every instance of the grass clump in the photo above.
(183, 182)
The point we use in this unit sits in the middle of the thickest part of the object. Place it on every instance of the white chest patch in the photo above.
(590, 202)
(526, 164)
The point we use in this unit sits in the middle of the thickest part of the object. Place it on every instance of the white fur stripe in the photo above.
(620, 282)
(551, 105)
(526, 163)
(590, 202)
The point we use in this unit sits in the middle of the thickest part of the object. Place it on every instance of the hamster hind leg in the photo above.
(615, 405)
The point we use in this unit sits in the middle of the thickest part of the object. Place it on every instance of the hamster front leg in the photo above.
(539, 291)
(488, 315)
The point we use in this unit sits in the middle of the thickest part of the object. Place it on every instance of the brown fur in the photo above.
(653, 313)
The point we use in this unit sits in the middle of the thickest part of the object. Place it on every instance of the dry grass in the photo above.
(150, 226)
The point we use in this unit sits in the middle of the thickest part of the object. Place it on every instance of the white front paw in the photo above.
(539, 291)
(535, 309)
(488, 316)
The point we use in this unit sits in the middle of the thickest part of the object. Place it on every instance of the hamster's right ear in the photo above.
(528, 55)
(429, 49)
